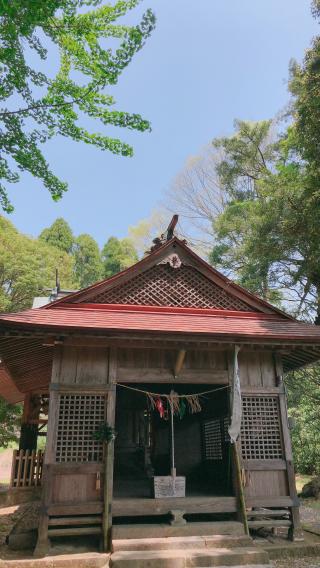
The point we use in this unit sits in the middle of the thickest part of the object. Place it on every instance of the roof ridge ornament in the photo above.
(166, 236)
(171, 227)
(173, 260)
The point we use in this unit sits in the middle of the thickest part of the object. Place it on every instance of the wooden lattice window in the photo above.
(261, 428)
(163, 285)
(79, 417)
(215, 433)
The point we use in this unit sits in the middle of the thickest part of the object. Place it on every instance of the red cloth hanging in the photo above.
(159, 407)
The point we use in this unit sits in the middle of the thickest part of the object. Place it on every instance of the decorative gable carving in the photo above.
(173, 260)
(168, 284)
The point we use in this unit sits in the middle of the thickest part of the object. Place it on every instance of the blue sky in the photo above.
(207, 62)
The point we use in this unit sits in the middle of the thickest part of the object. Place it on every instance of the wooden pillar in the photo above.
(29, 424)
(109, 453)
(295, 531)
(43, 539)
(43, 543)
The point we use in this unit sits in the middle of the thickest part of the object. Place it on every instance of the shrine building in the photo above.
(139, 383)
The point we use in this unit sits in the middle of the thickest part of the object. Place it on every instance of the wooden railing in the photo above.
(26, 468)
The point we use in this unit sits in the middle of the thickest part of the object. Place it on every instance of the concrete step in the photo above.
(181, 543)
(233, 528)
(187, 558)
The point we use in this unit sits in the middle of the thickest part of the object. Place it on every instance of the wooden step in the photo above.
(90, 508)
(268, 513)
(157, 530)
(133, 507)
(74, 531)
(181, 542)
(269, 523)
(92, 520)
(242, 556)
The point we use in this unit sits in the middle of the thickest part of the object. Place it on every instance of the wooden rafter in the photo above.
(179, 362)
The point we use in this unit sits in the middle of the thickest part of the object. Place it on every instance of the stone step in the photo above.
(83, 560)
(180, 542)
(233, 528)
(187, 558)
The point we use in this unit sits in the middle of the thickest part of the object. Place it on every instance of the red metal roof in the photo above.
(120, 318)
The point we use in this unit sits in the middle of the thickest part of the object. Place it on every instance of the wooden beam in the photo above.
(260, 390)
(153, 339)
(81, 389)
(264, 465)
(159, 375)
(179, 362)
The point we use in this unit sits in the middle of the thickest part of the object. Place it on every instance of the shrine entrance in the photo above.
(143, 447)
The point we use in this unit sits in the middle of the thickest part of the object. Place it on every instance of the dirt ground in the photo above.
(298, 563)
(5, 465)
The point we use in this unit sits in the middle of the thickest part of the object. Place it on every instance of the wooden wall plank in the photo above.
(253, 367)
(92, 367)
(68, 364)
(76, 488)
(267, 369)
(257, 369)
(56, 364)
(266, 483)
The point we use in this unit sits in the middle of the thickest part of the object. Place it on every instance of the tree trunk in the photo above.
(317, 318)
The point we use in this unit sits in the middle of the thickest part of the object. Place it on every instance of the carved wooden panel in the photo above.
(162, 285)
(261, 437)
(79, 417)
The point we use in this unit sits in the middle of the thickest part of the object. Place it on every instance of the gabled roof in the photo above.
(162, 257)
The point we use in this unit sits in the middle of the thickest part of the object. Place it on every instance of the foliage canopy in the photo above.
(10, 415)
(59, 235)
(117, 254)
(27, 268)
(36, 106)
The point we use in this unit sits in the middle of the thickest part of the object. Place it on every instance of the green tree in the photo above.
(59, 235)
(303, 389)
(36, 106)
(243, 231)
(27, 268)
(10, 415)
(117, 254)
(267, 236)
(303, 137)
(88, 264)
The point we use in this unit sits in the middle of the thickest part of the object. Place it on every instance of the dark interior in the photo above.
(143, 443)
